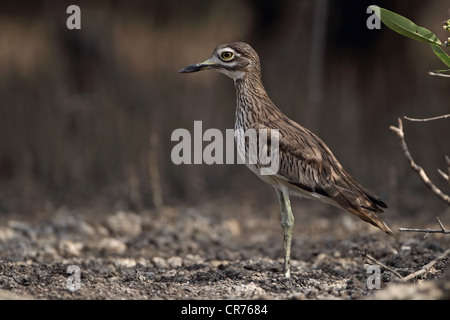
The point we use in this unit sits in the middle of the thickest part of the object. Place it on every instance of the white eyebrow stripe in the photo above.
(228, 49)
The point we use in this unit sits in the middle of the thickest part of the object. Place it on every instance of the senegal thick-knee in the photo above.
(307, 168)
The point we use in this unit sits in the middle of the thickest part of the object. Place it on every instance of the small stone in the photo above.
(112, 245)
(159, 263)
(86, 229)
(125, 262)
(125, 224)
(218, 263)
(6, 234)
(175, 262)
(71, 248)
(192, 259)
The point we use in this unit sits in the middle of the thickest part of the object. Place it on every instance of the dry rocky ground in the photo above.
(215, 251)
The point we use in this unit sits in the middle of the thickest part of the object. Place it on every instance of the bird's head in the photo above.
(232, 59)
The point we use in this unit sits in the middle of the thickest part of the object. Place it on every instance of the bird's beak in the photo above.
(198, 67)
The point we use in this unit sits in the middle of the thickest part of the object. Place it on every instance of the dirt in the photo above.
(214, 251)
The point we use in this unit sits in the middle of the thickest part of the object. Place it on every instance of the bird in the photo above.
(307, 167)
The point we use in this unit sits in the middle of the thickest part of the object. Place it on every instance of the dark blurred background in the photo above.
(86, 116)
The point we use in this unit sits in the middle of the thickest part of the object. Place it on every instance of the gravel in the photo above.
(205, 253)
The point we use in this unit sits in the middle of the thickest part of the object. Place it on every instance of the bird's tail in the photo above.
(362, 203)
(373, 219)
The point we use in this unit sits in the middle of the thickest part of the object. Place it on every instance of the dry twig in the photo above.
(399, 131)
(373, 260)
(444, 175)
(427, 119)
(427, 231)
(437, 74)
(428, 266)
(412, 275)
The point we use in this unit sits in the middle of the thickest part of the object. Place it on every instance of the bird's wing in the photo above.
(307, 163)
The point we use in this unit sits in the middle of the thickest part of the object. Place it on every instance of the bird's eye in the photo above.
(227, 55)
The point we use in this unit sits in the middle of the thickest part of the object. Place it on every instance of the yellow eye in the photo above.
(227, 55)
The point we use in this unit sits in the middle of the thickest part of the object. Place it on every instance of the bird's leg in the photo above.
(287, 223)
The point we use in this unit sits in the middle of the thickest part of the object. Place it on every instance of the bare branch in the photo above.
(427, 231)
(441, 225)
(443, 175)
(431, 73)
(399, 131)
(412, 275)
(428, 266)
(427, 119)
(373, 260)
(446, 176)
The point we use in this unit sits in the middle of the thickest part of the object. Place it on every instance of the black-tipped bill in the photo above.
(191, 68)
(197, 67)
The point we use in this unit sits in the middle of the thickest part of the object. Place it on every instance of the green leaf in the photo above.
(441, 54)
(405, 26)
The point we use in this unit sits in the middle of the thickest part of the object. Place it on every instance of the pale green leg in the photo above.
(287, 223)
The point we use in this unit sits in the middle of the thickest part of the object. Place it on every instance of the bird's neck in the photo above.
(253, 102)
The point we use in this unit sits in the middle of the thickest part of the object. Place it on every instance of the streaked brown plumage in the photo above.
(307, 166)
